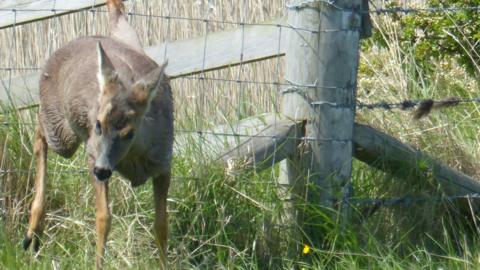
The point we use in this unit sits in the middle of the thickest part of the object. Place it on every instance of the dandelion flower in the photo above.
(306, 249)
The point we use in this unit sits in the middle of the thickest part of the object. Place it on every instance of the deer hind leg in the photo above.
(160, 188)
(103, 218)
(38, 206)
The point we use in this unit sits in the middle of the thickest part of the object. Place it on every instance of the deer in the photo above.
(105, 92)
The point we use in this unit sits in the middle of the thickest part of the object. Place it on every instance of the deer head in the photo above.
(121, 107)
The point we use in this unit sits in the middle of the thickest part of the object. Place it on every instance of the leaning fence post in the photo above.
(321, 69)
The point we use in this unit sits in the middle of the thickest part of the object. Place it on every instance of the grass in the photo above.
(219, 221)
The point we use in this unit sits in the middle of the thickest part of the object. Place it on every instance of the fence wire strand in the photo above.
(390, 10)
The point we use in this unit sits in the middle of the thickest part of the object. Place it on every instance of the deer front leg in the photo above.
(160, 191)
(103, 219)
(37, 213)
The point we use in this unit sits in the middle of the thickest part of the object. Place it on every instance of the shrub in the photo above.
(452, 32)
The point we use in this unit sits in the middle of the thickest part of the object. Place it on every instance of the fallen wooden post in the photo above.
(388, 154)
(261, 151)
(371, 146)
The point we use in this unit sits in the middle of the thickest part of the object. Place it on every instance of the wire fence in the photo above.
(305, 4)
(278, 83)
(407, 104)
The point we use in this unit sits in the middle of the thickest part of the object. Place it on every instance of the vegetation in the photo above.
(442, 34)
(220, 221)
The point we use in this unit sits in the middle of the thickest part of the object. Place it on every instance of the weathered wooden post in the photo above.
(321, 68)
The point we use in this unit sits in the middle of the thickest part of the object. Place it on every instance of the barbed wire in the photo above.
(301, 5)
(405, 10)
(423, 106)
(375, 11)
(409, 104)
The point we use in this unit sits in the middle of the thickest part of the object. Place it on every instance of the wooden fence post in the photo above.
(321, 68)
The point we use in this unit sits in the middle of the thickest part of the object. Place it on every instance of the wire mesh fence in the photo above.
(208, 99)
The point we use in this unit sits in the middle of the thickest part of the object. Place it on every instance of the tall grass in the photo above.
(219, 221)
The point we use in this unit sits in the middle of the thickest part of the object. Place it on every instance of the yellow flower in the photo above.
(306, 249)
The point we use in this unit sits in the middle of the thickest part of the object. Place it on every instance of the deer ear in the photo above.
(106, 72)
(146, 89)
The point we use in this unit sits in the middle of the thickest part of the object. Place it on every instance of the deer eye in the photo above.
(129, 135)
(98, 128)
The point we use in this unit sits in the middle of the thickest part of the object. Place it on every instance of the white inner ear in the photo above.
(100, 75)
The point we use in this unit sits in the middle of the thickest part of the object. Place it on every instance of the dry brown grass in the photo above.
(30, 45)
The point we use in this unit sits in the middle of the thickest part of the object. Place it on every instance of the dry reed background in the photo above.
(382, 76)
(29, 45)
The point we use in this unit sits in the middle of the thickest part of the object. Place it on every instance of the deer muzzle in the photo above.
(102, 174)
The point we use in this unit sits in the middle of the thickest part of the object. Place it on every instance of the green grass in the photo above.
(225, 222)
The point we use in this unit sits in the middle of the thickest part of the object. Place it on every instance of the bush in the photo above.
(436, 35)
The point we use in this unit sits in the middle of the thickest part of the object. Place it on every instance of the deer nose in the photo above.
(102, 173)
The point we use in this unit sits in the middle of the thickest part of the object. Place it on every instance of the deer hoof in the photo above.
(26, 242)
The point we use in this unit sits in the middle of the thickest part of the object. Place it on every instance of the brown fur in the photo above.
(106, 92)
(426, 106)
